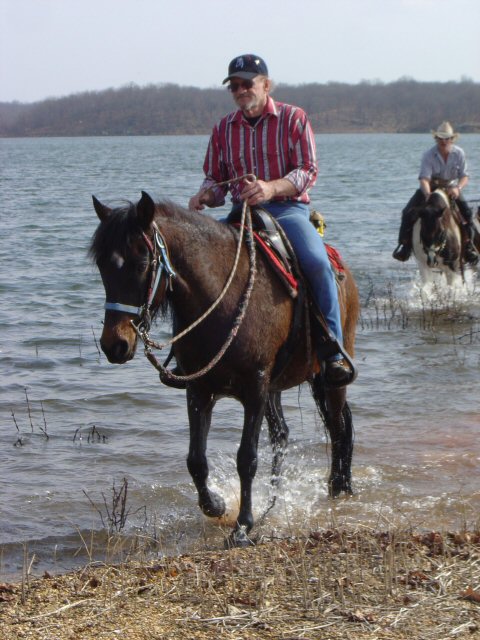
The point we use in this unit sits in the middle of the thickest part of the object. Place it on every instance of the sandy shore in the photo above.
(331, 584)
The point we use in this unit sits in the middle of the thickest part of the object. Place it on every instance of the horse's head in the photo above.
(433, 234)
(125, 247)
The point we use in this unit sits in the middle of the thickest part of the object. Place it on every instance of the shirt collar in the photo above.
(269, 108)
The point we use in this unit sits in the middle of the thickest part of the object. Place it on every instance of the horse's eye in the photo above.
(141, 267)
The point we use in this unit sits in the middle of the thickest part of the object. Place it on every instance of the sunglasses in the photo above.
(235, 86)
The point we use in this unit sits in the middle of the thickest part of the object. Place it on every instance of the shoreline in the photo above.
(334, 583)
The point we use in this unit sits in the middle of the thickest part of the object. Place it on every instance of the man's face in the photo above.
(250, 95)
(444, 144)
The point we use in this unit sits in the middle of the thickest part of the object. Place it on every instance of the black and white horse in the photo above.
(437, 240)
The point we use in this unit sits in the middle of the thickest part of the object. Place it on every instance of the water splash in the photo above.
(438, 293)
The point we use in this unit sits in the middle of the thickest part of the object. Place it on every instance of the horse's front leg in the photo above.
(254, 407)
(338, 421)
(200, 406)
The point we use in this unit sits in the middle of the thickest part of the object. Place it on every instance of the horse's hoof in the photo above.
(402, 253)
(212, 505)
(338, 486)
(239, 538)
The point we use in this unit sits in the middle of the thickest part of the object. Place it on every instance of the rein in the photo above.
(143, 326)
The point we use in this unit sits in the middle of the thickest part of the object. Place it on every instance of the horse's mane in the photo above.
(200, 223)
(115, 232)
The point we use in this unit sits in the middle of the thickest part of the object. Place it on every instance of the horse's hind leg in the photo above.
(200, 407)
(278, 432)
(337, 416)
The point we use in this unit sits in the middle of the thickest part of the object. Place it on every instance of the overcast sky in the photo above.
(53, 48)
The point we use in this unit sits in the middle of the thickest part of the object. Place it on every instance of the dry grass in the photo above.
(330, 585)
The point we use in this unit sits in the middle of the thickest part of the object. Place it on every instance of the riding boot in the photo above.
(404, 248)
(409, 217)
(338, 373)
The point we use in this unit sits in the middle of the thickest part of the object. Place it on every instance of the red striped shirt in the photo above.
(280, 145)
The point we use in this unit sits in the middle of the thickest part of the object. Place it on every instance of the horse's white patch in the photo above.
(117, 260)
(443, 195)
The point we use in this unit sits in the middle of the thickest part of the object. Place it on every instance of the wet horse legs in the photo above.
(338, 422)
(254, 410)
(278, 433)
(200, 407)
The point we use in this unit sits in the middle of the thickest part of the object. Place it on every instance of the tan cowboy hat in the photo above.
(445, 131)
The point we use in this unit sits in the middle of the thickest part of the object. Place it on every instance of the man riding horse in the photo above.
(443, 166)
(273, 142)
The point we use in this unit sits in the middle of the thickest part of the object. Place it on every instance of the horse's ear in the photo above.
(102, 211)
(145, 211)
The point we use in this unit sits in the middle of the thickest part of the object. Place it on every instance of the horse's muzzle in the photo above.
(119, 352)
(118, 343)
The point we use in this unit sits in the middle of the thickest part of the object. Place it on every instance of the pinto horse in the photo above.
(437, 239)
(195, 255)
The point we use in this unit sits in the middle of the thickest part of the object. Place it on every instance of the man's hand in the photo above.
(453, 192)
(200, 199)
(257, 191)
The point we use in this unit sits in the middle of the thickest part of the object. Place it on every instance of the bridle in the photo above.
(160, 263)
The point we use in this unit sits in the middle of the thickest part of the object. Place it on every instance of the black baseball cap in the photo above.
(247, 67)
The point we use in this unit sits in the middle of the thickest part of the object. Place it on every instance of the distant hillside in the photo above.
(402, 106)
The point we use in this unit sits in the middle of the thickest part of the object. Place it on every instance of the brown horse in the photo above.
(128, 245)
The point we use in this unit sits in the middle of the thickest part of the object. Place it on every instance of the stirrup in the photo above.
(338, 373)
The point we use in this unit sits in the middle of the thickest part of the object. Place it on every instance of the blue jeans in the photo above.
(312, 256)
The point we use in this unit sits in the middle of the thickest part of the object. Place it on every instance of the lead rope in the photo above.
(246, 222)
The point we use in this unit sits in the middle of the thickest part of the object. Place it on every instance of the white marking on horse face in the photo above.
(117, 260)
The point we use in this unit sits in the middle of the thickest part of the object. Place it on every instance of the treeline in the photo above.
(404, 106)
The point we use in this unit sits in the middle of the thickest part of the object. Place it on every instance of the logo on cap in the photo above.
(239, 63)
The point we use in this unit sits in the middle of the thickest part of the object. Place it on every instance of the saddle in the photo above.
(274, 244)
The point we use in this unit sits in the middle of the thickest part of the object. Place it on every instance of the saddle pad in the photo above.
(335, 260)
(333, 255)
(277, 264)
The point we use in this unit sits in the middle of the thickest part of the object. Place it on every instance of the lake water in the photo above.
(415, 403)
